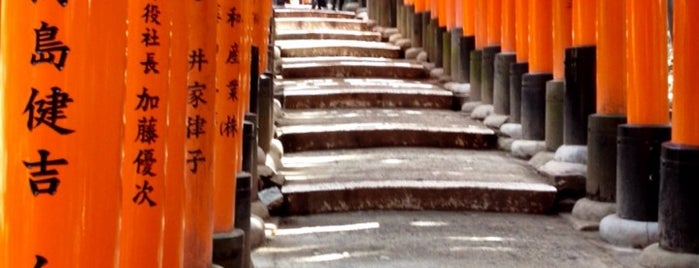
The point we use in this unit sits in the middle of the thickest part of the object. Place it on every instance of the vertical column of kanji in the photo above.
(200, 132)
(230, 72)
(101, 73)
(175, 191)
(17, 44)
(143, 167)
(40, 140)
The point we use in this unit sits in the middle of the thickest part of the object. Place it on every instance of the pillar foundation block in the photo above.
(517, 70)
(555, 94)
(475, 74)
(533, 105)
(679, 202)
(589, 213)
(488, 73)
(580, 93)
(628, 233)
(229, 248)
(501, 86)
(466, 46)
(654, 256)
(456, 72)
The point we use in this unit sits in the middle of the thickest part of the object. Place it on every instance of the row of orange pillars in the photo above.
(122, 130)
(587, 73)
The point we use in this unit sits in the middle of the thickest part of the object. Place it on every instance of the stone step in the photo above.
(285, 24)
(412, 179)
(350, 48)
(309, 13)
(320, 34)
(360, 67)
(323, 129)
(363, 93)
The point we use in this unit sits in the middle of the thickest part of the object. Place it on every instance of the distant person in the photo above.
(338, 4)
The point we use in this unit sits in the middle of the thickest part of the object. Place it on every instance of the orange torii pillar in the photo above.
(640, 141)
(60, 182)
(145, 131)
(200, 131)
(555, 89)
(504, 59)
(540, 70)
(232, 82)
(635, 158)
(494, 28)
(481, 37)
(678, 214)
(579, 102)
(467, 42)
(175, 187)
(521, 67)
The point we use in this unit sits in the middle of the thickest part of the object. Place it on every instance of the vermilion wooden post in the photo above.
(263, 11)
(522, 57)
(175, 186)
(504, 60)
(200, 132)
(678, 218)
(562, 35)
(231, 74)
(43, 192)
(583, 22)
(145, 131)
(555, 89)
(103, 99)
(540, 69)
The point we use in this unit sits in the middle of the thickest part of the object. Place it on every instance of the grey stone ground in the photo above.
(435, 239)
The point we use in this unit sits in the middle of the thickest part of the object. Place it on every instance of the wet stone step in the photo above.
(320, 34)
(285, 24)
(320, 48)
(363, 93)
(306, 13)
(361, 67)
(411, 179)
(323, 129)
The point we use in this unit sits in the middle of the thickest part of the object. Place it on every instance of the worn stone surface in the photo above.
(285, 24)
(482, 111)
(421, 57)
(261, 155)
(367, 97)
(569, 178)
(404, 43)
(394, 38)
(317, 67)
(411, 178)
(594, 211)
(540, 159)
(572, 154)
(656, 257)
(320, 34)
(437, 73)
(495, 120)
(257, 232)
(505, 144)
(412, 53)
(399, 239)
(301, 13)
(628, 233)
(319, 129)
(259, 209)
(512, 130)
(271, 197)
(459, 88)
(526, 149)
(468, 107)
(321, 48)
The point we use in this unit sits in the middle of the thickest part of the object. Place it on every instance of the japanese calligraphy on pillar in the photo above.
(145, 132)
(232, 74)
(48, 124)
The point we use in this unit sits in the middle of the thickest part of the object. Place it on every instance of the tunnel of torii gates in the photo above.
(92, 123)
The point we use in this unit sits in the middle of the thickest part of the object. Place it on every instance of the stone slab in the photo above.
(285, 24)
(412, 178)
(322, 129)
(569, 178)
(321, 34)
(349, 48)
(305, 13)
(356, 67)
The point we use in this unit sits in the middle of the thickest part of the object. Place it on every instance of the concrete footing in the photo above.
(456, 72)
(229, 249)
(655, 256)
(501, 87)
(475, 67)
(517, 70)
(589, 213)
(534, 105)
(628, 233)
(488, 73)
(555, 93)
